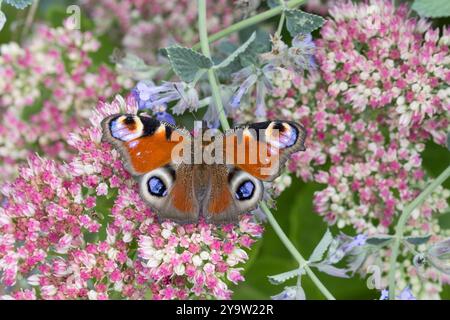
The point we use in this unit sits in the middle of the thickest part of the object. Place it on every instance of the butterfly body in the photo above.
(183, 177)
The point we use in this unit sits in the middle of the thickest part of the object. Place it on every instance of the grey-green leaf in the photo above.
(332, 270)
(232, 57)
(134, 67)
(322, 247)
(19, 4)
(283, 277)
(298, 21)
(439, 256)
(187, 63)
(379, 240)
(2, 20)
(260, 45)
(432, 8)
(418, 240)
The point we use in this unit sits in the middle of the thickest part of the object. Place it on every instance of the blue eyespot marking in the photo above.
(245, 190)
(289, 138)
(156, 187)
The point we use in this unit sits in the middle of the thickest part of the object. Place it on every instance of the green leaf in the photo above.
(2, 20)
(260, 45)
(134, 67)
(418, 240)
(439, 256)
(320, 249)
(432, 8)
(379, 240)
(232, 57)
(283, 277)
(187, 63)
(19, 4)
(298, 21)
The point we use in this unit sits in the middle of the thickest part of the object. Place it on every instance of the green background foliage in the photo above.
(294, 207)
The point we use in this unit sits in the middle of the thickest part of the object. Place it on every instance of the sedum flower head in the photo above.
(81, 230)
(42, 102)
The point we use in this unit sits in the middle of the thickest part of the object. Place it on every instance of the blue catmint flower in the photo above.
(143, 93)
(384, 294)
(248, 81)
(290, 293)
(164, 116)
(405, 294)
(245, 79)
(302, 52)
(150, 96)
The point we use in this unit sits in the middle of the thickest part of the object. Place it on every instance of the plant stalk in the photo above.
(250, 21)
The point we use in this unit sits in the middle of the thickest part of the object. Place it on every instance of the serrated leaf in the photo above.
(232, 57)
(322, 247)
(187, 63)
(283, 277)
(19, 4)
(2, 20)
(134, 67)
(260, 45)
(432, 8)
(418, 240)
(298, 21)
(379, 240)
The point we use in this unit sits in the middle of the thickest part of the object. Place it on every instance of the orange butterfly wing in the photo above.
(261, 149)
(144, 142)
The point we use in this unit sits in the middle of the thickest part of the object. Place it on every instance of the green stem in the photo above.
(282, 18)
(400, 228)
(224, 122)
(294, 252)
(280, 24)
(211, 73)
(250, 21)
(29, 20)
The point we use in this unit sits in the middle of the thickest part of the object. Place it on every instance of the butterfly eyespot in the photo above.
(245, 190)
(156, 187)
(129, 120)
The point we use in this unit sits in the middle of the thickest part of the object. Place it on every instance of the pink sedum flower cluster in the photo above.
(81, 230)
(381, 92)
(49, 88)
(148, 25)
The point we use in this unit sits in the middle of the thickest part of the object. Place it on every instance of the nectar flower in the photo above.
(81, 231)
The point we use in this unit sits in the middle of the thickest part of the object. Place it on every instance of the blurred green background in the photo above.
(294, 207)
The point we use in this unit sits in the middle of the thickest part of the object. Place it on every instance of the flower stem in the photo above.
(251, 21)
(400, 228)
(204, 44)
(29, 19)
(211, 73)
(282, 18)
(294, 252)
